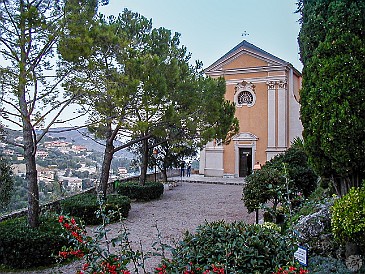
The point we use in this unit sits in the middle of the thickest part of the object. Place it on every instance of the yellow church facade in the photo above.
(265, 90)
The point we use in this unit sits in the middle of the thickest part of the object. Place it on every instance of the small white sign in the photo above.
(301, 255)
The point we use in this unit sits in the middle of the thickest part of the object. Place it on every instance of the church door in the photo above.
(245, 162)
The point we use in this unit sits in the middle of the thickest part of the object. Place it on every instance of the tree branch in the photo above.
(132, 142)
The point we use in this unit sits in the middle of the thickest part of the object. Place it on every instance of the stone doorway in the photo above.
(245, 162)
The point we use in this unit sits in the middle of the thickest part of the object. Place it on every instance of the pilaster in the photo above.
(282, 115)
(271, 114)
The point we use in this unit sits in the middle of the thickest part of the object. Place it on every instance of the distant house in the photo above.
(20, 158)
(8, 152)
(73, 183)
(265, 90)
(41, 154)
(19, 139)
(122, 172)
(78, 149)
(56, 144)
(44, 172)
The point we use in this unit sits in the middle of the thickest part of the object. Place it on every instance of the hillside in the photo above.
(79, 137)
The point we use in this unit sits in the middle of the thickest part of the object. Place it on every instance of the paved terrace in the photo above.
(195, 200)
(197, 178)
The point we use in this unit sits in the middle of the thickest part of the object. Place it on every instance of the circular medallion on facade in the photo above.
(245, 94)
(245, 98)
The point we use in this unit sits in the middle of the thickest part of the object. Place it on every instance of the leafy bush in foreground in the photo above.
(147, 192)
(24, 247)
(348, 217)
(238, 247)
(86, 205)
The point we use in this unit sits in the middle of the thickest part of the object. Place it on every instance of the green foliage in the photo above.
(24, 247)
(260, 187)
(302, 176)
(269, 183)
(86, 206)
(332, 48)
(348, 217)
(238, 247)
(6, 184)
(311, 205)
(146, 192)
(325, 265)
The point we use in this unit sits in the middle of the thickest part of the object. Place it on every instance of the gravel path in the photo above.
(182, 208)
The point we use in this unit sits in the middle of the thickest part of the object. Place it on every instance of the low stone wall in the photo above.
(55, 205)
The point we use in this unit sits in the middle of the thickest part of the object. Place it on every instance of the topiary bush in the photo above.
(147, 192)
(237, 247)
(86, 205)
(260, 187)
(286, 179)
(24, 247)
(348, 217)
(303, 177)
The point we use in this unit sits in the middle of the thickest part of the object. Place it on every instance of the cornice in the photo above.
(234, 71)
(256, 80)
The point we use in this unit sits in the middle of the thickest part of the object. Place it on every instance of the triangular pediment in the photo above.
(245, 136)
(245, 55)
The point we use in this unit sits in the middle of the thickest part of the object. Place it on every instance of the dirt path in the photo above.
(182, 208)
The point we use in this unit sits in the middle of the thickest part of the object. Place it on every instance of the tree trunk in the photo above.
(164, 174)
(30, 145)
(105, 169)
(144, 164)
(31, 175)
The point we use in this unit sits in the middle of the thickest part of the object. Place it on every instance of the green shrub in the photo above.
(23, 247)
(261, 187)
(147, 192)
(286, 173)
(238, 247)
(86, 205)
(325, 265)
(348, 217)
(311, 205)
(303, 177)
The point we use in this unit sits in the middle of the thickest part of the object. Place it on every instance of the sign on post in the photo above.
(301, 255)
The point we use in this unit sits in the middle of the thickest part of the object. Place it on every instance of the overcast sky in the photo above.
(210, 28)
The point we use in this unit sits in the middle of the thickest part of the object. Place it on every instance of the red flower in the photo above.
(67, 226)
(60, 219)
(63, 254)
(292, 268)
(86, 266)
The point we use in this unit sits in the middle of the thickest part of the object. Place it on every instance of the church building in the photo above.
(265, 90)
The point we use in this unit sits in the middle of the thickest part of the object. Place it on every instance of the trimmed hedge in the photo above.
(86, 205)
(147, 192)
(237, 247)
(23, 247)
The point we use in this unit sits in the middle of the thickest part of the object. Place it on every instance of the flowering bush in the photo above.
(98, 260)
(290, 270)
